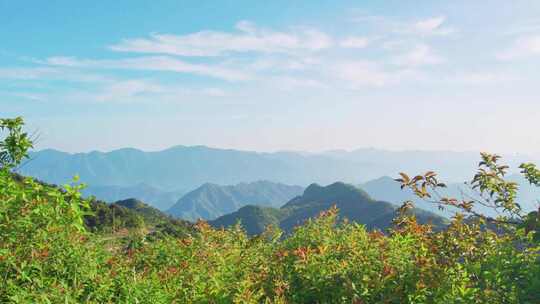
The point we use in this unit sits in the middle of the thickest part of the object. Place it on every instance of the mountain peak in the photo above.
(341, 186)
(336, 189)
(353, 203)
(131, 203)
(210, 201)
(313, 189)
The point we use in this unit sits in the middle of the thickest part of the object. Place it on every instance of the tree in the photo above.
(14, 147)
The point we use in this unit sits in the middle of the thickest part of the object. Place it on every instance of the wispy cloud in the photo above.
(524, 46)
(296, 58)
(290, 64)
(127, 90)
(40, 73)
(431, 26)
(28, 96)
(28, 73)
(213, 92)
(527, 27)
(151, 63)
(484, 78)
(247, 38)
(252, 53)
(355, 42)
(361, 74)
(292, 83)
(419, 55)
(136, 91)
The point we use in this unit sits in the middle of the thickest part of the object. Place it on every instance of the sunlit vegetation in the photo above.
(49, 253)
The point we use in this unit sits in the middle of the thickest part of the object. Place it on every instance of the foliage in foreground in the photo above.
(48, 256)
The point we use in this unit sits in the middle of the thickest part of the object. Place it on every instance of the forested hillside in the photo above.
(353, 204)
(56, 247)
(160, 199)
(210, 201)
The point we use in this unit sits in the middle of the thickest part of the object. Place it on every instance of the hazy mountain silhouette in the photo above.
(159, 199)
(210, 201)
(185, 168)
(353, 203)
(163, 175)
(387, 189)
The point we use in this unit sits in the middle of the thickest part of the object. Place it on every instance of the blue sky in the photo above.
(274, 75)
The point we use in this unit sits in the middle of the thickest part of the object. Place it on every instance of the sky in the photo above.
(274, 75)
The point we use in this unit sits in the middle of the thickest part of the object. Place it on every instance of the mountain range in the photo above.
(159, 199)
(353, 203)
(161, 178)
(210, 201)
(183, 168)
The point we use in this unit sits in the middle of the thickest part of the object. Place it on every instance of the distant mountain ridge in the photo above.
(387, 189)
(353, 203)
(452, 166)
(160, 178)
(159, 199)
(183, 168)
(210, 201)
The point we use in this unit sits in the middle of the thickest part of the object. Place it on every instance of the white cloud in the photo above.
(26, 73)
(149, 91)
(432, 26)
(246, 26)
(51, 73)
(396, 44)
(152, 63)
(523, 47)
(362, 73)
(213, 92)
(527, 27)
(429, 25)
(247, 38)
(127, 90)
(29, 96)
(260, 56)
(484, 78)
(291, 83)
(282, 63)
(420, 55)
(354, 42)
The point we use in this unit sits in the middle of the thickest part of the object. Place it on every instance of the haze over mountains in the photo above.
(184, 168)
(387, 189)
(353, 203)
(161, 178)
(210, 201)
(159, 199)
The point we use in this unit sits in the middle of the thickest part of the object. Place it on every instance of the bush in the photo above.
(47, 256)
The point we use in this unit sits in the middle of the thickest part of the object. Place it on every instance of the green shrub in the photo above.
(48, 256)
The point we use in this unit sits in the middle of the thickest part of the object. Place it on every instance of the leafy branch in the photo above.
(492, 189)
